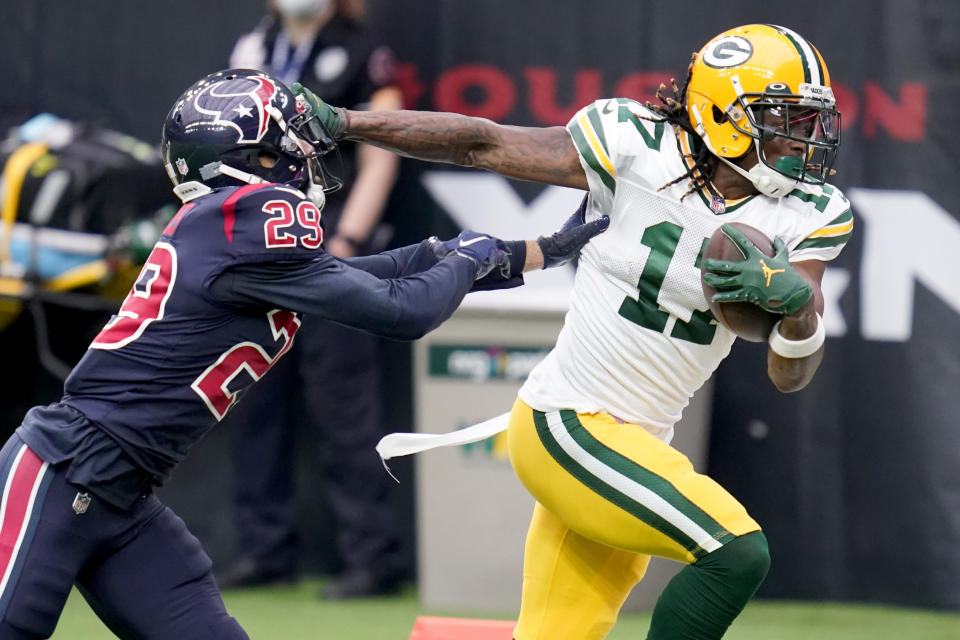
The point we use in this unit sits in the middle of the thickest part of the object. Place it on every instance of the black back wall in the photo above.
(855, 479)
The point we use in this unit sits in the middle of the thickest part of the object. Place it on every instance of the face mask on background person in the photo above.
(301, 8)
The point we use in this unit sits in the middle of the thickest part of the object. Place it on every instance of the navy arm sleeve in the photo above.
(418, 257)
(404, 308)
(397, 263)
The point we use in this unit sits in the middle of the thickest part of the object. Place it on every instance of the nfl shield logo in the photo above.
(182, 166)
(718, 204)
(302, 105)
(81, 502)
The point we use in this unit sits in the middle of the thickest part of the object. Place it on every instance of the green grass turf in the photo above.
(295, 612)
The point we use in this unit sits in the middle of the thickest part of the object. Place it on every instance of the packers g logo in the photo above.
(728, 51)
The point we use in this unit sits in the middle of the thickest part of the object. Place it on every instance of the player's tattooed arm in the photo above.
(540, 154)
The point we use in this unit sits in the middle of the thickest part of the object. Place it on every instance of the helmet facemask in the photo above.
(314, 179)
(807, 118)
(292, 159)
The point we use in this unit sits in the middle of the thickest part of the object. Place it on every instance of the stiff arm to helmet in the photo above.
(241, 126)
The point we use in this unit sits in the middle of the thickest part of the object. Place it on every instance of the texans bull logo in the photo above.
(239, 103)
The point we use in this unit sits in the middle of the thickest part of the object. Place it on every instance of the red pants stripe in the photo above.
(19, 491)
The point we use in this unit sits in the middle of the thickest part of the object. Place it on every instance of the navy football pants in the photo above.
(143, 573)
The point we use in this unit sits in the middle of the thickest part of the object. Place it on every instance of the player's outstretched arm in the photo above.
(541, 154)
(796, 344)
(546, 252)
(518, 256)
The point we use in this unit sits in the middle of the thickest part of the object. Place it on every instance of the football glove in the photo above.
(332, 118)
(443, 248)
(506, 274)
(768, 282)
(564, 245)
(483, 251)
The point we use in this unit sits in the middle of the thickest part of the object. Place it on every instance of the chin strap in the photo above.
(218, 168)
(766, 180)
(191, 190)
(317, 196)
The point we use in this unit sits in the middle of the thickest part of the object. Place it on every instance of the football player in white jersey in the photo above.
(750, 137)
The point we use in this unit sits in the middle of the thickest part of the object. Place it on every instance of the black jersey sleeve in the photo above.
(405, 307)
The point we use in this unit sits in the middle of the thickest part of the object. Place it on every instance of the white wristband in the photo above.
(797, 348)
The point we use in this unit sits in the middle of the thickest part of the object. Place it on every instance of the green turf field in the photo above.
(295, 612)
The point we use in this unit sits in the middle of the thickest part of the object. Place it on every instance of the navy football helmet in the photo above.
(244, 126)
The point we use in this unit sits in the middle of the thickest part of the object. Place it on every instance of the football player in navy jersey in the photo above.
(216, 305)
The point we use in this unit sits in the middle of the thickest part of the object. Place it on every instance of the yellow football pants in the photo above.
(609, 495)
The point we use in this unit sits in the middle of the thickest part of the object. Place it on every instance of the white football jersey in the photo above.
(638, 339)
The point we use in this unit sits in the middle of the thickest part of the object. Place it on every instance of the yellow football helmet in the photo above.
(754, 82)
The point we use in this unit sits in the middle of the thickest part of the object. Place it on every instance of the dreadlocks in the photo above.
(674, 111)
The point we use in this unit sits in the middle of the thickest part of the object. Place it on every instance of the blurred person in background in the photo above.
(216, 305)
(749, 137)
(324, 45)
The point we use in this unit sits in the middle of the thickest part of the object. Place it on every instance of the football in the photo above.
(745, 319)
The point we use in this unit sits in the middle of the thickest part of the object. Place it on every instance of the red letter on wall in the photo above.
(587, 85)
(904, 120)
(847, 105)
(499, 93)
(409, 84)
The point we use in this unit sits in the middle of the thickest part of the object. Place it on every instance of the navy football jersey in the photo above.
(215, 306)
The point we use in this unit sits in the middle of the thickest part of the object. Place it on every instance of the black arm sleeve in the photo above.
(404, 308)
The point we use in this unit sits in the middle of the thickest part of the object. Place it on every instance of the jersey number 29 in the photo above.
(213, 385)
(146, 302)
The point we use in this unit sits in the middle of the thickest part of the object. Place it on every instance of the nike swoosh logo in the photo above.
(467, 243)
(608, 108)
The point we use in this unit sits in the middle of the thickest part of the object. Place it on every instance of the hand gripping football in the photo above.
(745, 319)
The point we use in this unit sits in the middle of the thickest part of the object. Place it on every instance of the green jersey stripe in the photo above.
(841, 225)
(846, 216)
(824, 242)
(594, 118)
(580, 140)
(734, 207)
(607, 492)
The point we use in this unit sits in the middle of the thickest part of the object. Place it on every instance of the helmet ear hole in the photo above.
(719, 116)
(267, 159)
